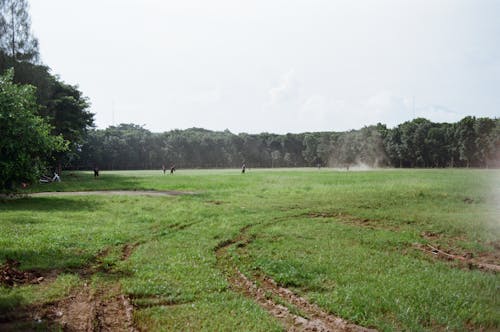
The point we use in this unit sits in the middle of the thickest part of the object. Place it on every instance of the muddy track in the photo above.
(104, 308)
(87, 308)
(293, 311)
(468, 262)
(487, 263)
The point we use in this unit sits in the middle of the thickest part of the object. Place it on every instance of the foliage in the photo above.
(25, 139)
(16, 38)
(417, 143)
(62, 105)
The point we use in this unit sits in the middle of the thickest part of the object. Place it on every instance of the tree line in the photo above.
(471, 142)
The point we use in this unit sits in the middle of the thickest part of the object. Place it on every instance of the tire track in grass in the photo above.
(432, 250)
(293, 311)
(471, 263)
(104, 308)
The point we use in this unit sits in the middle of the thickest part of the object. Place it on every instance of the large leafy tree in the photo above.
(62, 105)
(67, 111)
(26, 142)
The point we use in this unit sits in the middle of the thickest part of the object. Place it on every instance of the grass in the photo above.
(344, 240)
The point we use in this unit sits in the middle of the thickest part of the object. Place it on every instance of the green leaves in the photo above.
(26, 143)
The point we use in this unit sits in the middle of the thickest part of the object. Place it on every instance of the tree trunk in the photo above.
(13, 46)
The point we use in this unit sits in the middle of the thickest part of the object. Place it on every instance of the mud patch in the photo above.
(486, 262)
(324, 214)
(86, 309)
(430, 235)
(215, 202)
(11, 276)
(468, 200)
(90, 310)
(98, 308)
(127, 250)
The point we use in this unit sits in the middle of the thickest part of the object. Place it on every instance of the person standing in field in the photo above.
(243, 168)
(172, 169)
(96, 171)
(56, 177)
(163, 168)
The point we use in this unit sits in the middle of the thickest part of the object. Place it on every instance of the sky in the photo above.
(275, 65)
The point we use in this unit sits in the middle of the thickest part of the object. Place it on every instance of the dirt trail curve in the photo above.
(113, 192)
(297, 314)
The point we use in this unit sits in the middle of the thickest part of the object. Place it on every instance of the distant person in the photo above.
(56, 178)
(172, 169)
(243, 168)
(96, 172)
(163, 168)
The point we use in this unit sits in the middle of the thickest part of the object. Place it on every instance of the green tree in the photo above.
(394, 147)
(25, 140)
(63, 105)
(466, 135)
(436, 146)
(484, 128)
(310, 152)
(16, 38)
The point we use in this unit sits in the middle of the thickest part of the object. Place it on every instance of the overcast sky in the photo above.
(273, 65)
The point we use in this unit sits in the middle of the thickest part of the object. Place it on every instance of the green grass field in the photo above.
(346, 241)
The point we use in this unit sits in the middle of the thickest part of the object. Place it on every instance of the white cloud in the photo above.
(206, 96)
(438, 113)
(287, 89)
(333, 65)
(387, 107)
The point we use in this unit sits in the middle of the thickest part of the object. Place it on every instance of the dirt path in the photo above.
(464, 261)
(100, 307)
(293, 311)
(113, 192)
(104, 309)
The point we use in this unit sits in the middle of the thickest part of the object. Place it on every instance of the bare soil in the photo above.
(486, 261)
(127, 250)
(89, 310)
(10, 275)
(99, 308)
